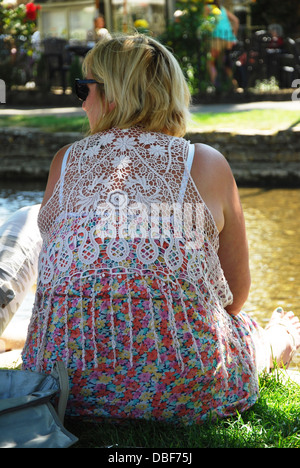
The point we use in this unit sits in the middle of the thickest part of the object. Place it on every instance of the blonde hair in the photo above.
(143, 80)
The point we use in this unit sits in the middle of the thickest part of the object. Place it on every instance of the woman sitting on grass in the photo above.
(144, 266)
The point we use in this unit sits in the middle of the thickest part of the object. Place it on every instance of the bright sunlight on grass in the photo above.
(254, 119)
(234, 121)
(48, 123)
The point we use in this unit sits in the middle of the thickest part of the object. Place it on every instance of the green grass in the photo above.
(274, 119)
(47, 123)
(273, 422)
(265, 119)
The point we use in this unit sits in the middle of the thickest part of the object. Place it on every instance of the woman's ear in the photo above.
(107, 106)
(111, 106)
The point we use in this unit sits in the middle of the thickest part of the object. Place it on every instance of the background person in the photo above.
(224, 37)
(100, 30)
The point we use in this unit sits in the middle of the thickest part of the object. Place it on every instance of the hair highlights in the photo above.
(143, 80)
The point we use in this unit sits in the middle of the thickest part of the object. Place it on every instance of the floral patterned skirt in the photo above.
(141, 358)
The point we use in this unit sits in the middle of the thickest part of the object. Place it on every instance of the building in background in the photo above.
(74, 19)
(66, 19)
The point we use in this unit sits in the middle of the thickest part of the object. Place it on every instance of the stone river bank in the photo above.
(256, 158)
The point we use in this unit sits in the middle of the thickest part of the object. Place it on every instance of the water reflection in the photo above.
(273, 225)
(13, 197)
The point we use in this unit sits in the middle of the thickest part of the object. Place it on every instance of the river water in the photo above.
(273, 226)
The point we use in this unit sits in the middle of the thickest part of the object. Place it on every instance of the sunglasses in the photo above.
(81, 88)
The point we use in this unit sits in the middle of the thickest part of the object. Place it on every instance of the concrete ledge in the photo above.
(260, 158)
(255, 158)
(26, 153)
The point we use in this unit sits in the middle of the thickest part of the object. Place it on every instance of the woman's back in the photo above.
(132, 189)
(132, 286)
(131, 293)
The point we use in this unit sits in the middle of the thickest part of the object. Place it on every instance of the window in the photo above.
(124, 14)
(69, 20)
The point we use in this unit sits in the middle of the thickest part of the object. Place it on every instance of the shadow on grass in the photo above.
(272, 422)
(297, 122)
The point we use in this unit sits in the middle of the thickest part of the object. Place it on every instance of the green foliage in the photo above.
(188, 37)
(17, 24)
(1, 16)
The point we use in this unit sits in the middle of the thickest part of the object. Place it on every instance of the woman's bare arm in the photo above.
(54, 173)
(215, 182)
(235, 22)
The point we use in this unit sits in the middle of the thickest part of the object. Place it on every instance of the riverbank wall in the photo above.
(256, 159)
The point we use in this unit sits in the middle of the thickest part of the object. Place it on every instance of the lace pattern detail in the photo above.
(121, 216)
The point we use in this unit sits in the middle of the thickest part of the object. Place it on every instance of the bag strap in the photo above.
(63, 377)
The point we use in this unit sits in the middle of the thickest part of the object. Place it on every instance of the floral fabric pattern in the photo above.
(139, 319)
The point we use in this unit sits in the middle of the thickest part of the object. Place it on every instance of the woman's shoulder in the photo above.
(214, 180)
(210, 162)
(58, 159)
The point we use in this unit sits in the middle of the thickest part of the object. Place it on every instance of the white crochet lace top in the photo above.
(125, 204)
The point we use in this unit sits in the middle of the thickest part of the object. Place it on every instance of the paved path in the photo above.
(205, 108)
(284, 105)
(30, 112)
